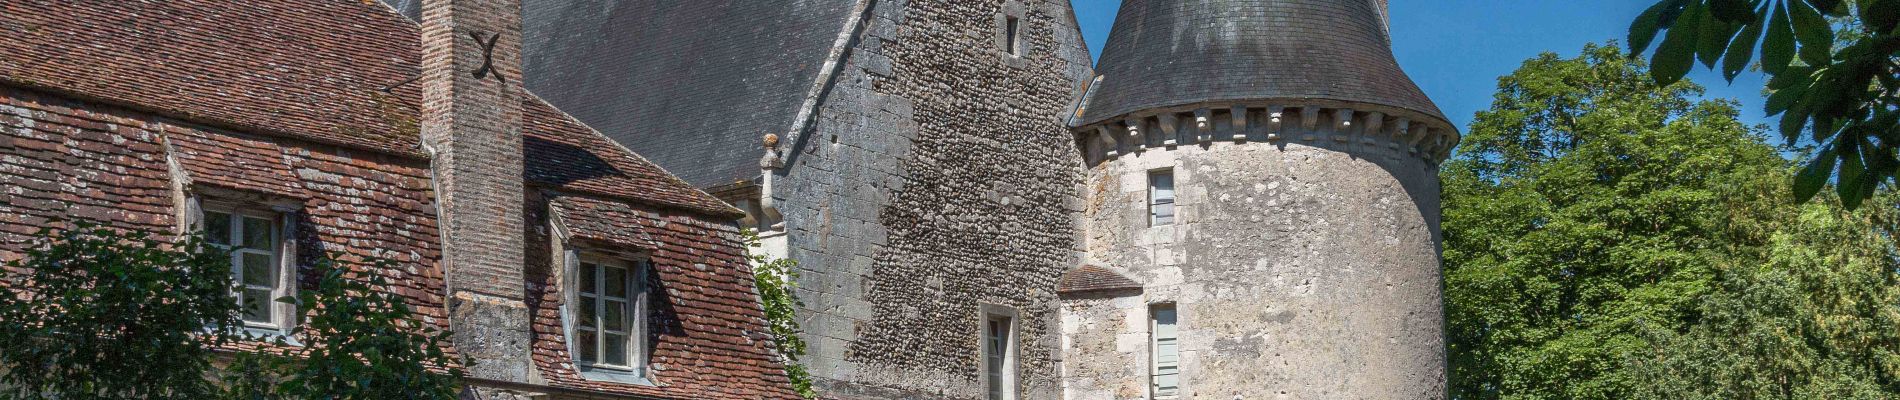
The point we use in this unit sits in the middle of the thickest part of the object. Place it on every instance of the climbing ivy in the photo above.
(776, 279)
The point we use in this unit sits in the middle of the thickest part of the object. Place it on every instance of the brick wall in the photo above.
(471, 123)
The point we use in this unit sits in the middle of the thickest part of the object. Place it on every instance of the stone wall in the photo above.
(1303, 266)
(938, 176)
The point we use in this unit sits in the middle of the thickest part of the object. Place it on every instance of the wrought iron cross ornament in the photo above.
(488, 56)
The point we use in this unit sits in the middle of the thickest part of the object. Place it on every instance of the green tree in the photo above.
(361, 341)
(1599, 227)
(1811, 313)
(1837, 80)
(98, 313)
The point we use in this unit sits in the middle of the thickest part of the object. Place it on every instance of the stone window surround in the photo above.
(1012, 10)
(282, 212)
(1010, 372)
(1154, 350)
(575, 252)
(1155, 200)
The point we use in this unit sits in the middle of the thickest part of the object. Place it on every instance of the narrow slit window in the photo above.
(1165, 369)
(1012, 35)
(1161, 198)
(1000, 357)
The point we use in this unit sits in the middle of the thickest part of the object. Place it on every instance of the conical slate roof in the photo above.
(1166, 53)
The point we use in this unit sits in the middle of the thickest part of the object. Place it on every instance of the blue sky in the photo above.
(1456, 49)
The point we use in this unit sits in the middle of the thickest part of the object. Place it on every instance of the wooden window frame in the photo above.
(281, 251)
(636, 332)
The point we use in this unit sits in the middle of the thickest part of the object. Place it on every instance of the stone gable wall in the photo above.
(939, 177)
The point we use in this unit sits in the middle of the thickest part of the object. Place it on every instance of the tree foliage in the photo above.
(776, 281)
(1838, 80)
(98, 313)
(1604, 233)
(360, 341)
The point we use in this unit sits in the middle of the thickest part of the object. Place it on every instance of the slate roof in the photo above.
(693, 85)
(1164, 53)
(1090, 279)
(312, 69)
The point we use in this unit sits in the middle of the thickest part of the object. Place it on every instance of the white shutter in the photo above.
(571, 262)
(1167, 352)
(1161, 197)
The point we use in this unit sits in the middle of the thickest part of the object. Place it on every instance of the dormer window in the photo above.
(261, 270)
(606, 316)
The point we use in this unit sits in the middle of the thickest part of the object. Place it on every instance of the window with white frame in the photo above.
(608, 315)
(999, 355)
(1161, 197)
(1164, 347)
(259, 263)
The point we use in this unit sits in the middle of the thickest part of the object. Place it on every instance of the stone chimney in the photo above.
(471, 124)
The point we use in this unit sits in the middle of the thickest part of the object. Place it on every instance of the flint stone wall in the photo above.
(939, 177)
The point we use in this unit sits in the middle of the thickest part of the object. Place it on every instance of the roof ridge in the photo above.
(729, 211)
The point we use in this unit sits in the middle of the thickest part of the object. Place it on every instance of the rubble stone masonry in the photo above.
(939, 177)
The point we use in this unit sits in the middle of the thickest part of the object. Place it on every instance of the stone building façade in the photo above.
(1239, 200)
(299, 127)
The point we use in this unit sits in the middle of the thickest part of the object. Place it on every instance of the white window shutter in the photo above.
(1161, 197)
(1167, 352)
(570, 262)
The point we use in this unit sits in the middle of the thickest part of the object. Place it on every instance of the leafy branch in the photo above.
(1836, 80)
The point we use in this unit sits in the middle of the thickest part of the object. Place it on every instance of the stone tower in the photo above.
(1262, 177)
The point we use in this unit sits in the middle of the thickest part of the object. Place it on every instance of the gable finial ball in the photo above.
(771, 140)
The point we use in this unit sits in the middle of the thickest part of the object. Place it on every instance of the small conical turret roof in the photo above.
(1167, 53)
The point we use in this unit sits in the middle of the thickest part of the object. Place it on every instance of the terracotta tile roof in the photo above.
(312, 69)
(1090, 278)
(606, 221)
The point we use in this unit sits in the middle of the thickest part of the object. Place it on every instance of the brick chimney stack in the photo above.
(471, 123)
